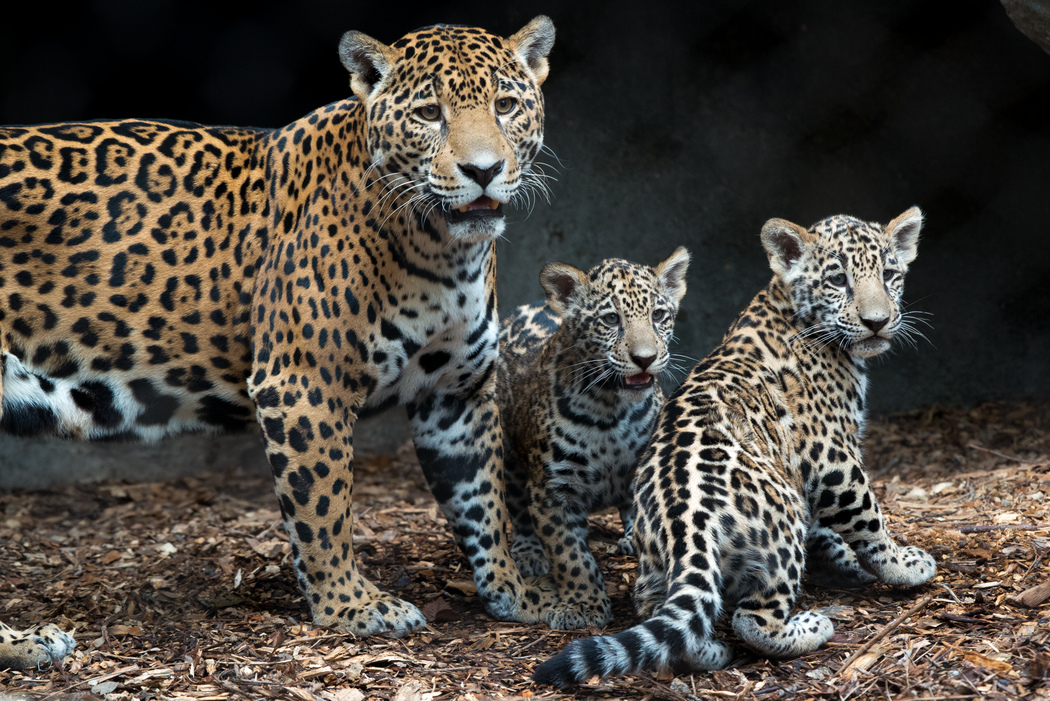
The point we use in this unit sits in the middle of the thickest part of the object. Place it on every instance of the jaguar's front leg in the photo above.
(310, 447)
(561, 521)
(459, 442)
(849, 509)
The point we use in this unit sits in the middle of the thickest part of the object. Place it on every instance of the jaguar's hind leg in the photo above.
(762, 618)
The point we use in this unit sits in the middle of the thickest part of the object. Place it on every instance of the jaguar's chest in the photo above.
(436, 337)
(597, 459)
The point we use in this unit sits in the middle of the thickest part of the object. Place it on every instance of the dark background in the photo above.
(684, 126)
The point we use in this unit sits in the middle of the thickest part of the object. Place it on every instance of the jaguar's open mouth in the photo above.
(642, 380)
(482, 208)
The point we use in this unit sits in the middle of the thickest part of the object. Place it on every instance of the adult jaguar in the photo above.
(755, 469)
(159, 277)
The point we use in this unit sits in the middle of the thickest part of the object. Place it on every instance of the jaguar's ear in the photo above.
(904, 233)
(561, 282)
(368, 61)
(784, 243)
(532, 44)
(671, 273)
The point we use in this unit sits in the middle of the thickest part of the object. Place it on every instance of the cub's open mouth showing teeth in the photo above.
(480, 208)
(642, 380)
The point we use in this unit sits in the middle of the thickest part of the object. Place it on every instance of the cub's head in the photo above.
(845, 277)
(617, 320)
(455, 122)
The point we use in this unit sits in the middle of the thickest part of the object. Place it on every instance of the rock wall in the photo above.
(690, 125)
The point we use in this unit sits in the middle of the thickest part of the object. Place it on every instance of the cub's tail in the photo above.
(666, 641)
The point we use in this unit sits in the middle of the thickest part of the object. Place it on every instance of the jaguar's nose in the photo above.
(875, 324)
(482, 176)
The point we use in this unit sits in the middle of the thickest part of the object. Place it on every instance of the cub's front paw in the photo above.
(525, 600)
(530, 558)
(570, 615)
(906, 567)
(625, 546)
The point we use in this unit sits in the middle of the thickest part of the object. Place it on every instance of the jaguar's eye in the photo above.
(430, 113)
(505, 105)
(887, 275)
(611, 319)
(659, 315)
(838, 279)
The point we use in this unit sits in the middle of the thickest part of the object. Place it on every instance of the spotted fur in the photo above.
(159, 277)
(757, 459)
(37, 646)
(577, 390)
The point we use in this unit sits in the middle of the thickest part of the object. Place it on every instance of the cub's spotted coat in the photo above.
(756, 459)
(578, 397)
(158, 277)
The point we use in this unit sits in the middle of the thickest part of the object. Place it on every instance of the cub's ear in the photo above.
(368, 61)
(671, 273)
(532, 44)
(561, 282)
(784, 243)
(904, 232)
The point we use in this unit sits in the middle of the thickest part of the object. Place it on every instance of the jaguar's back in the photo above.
(127, 256)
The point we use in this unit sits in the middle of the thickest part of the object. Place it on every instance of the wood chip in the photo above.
(144, 575)
(1033, 596)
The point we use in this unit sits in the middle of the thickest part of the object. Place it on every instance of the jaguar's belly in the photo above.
(100, 406)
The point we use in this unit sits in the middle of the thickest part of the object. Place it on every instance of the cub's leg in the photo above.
(527, 549)
(459, 442)
(831, 563)
(762, 617)
(22, 649)
(650, 588)
(561, 521)
(625, 546)
(848, 507)
(310, 449)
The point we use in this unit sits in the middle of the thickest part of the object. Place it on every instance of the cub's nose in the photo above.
(874, 324)
(643, 361)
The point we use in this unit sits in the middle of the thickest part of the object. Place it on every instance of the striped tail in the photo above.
(663, 642)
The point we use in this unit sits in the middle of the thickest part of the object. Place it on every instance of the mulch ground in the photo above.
(183, 589)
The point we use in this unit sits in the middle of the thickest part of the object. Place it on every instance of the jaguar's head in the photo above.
(845, 278)
(619, 319)
(454, 122)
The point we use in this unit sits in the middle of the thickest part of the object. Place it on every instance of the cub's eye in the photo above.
(838, 279)
(659, 314)
(505, 105)
(887, 275)
(430, 113)
(611, 319)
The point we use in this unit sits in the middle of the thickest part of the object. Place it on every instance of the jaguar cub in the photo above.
(756, 459)
(578, 396)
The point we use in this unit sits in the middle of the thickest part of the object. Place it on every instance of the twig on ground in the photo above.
(890, 627)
